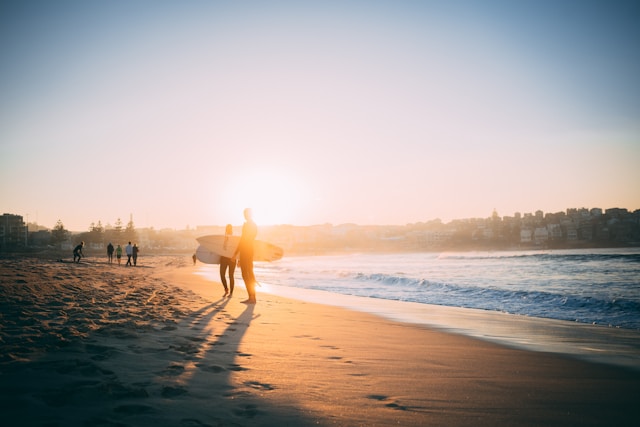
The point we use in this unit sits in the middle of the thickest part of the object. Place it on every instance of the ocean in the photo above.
(595, 286)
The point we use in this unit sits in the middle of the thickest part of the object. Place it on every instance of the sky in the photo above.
(181, 114)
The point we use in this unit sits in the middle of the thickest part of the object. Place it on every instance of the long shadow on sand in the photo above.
(205, 374)
(85, 346)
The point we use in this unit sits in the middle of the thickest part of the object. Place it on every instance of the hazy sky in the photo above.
(373, 112)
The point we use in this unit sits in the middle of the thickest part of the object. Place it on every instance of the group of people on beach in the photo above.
(243, 254)
(130, 250)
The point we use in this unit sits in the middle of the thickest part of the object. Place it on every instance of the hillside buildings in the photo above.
(573, 228)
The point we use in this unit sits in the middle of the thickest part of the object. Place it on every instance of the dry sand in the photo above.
(156, 345)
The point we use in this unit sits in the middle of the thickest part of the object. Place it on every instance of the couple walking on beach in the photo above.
(245, 251)
(132, 253)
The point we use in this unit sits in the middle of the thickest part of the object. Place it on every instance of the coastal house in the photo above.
(571, 232)
(13, 231)
(540, 235)
(555, 231)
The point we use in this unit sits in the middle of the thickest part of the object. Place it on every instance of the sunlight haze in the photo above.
(371, 112)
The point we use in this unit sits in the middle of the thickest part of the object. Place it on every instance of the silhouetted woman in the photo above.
(229, 263)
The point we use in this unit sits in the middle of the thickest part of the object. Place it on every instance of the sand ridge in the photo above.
(99, 344)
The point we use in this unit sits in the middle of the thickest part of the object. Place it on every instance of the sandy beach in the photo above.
(156, 345)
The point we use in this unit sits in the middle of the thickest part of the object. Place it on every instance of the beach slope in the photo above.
(157, 345)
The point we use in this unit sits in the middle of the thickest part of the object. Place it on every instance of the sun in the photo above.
(274, 198)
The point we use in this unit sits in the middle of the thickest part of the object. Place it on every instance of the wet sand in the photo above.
(156, 345)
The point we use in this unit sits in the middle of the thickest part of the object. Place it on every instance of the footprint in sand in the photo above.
(210, 368)
(396, 406)
(248, 411)
(100, 352)
(185, 348)
(173, 370)
(259, 386)
(379, 397)
(392, 405)
(234, 367)
(169, 391)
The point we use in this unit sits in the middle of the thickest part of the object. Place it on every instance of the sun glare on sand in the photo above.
(274, 199)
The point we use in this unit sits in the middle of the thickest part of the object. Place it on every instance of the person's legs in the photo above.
(246, 266)
(223, 272)
(252, 280)
(232, 280)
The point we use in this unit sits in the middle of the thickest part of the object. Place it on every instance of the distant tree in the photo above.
(59, 234)
(130, 234)
(98, 228)
(96, 233)
(114, 235)
(118, 226)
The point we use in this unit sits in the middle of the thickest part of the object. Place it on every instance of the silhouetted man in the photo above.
(77, 252)
(129, 251)
(245, 249)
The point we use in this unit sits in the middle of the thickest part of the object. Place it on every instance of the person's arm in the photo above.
(237, 251)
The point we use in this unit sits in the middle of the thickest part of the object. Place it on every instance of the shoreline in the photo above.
(158, 346)
(594, 343)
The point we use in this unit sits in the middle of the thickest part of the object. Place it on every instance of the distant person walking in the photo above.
(129, 251)
(227, 263)
(194, 259)
(134, 254)
(245, 250)
(119, 253)
(110, 252)
(77, 252)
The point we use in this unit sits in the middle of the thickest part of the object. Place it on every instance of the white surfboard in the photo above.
(226, 246)
(206, 256)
